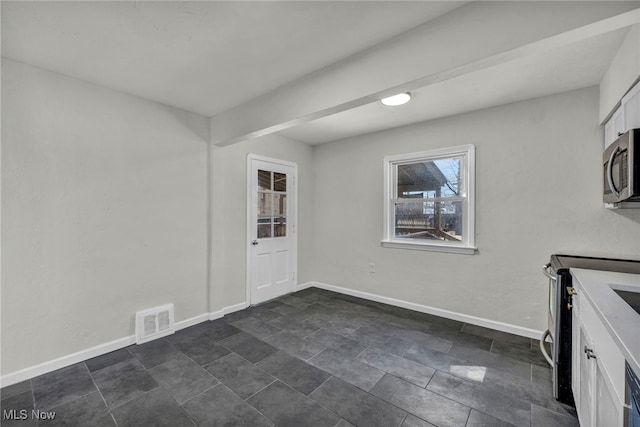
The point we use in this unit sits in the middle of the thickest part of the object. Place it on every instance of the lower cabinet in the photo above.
(598, 402)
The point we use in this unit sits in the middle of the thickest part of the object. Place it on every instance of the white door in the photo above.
(271, 249)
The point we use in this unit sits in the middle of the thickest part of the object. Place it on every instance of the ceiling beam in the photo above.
(476, 36)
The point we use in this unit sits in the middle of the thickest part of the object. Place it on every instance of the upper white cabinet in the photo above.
(626, 117)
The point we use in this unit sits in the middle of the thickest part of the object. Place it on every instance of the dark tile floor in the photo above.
(313, 358)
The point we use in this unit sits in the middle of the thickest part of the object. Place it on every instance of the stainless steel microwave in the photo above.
(621, 164)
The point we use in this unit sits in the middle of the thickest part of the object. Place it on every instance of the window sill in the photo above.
(465, 250)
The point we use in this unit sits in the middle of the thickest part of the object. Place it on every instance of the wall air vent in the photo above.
(154, 323)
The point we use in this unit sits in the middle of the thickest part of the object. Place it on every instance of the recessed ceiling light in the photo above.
(396, 100)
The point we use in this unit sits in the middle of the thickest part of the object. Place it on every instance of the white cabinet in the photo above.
(597, 368)
(626, 117)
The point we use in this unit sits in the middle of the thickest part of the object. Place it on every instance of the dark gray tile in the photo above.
(356, 406)
(182, 378)
(288, 310)
(541, 417)
(202, 349)
(437, 322)
(400, 367)
(255, 327)
(263, 313)
(294, 301)
(412, 421)
(155, 408)
(479, 419)
(249, 347)
(89, 410)
(351, 370)
(373, 337)
(154, 352)
(541, 375)
(521, 388)
(286, 407)
(16, 410)
(498, 405)
(521, 351)
(270, 304)
(346, 346)
(123, 381)
(220, 407)
(15, 389)
(235, 316)
(241, 376)
(457, 336)
(344, 423)
(420, 402)
(436, 359)
(185, 333)
(333, 324)
(301, 328)
(294, 345)
(218, 329)
(108, 359)
(61, 386)
(500, 336)
(294, 372)
(423, 339)
(484, 358)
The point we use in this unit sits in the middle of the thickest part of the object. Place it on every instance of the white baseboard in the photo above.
(227, 310)
(99, 350)
(305, 285)
(479, 321)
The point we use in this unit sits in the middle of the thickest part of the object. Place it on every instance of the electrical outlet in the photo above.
(372, 268)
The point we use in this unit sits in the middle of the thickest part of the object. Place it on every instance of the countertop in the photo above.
(622, 322)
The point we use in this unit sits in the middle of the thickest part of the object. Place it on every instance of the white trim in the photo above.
(99, 350)
(468, 152)
(305, 285)
(465, 250)
(479, 321)
(293, 216)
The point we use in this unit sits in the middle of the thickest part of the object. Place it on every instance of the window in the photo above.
(429, 200)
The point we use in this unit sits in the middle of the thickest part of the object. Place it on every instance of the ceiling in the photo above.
(201, 56)
(219, 58)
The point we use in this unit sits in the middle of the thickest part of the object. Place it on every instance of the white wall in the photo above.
(538, 180)
(622, 73)
(104, 212)
(229, 213)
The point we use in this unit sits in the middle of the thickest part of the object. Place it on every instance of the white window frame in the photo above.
(467, 246)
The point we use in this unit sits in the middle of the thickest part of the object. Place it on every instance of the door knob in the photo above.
(254, 242)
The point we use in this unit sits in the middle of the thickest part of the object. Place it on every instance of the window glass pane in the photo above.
(264, 231)
(264, 205)
(429, 179)
(279, 181)
(280, 204)
(429, 221)
(264, 180)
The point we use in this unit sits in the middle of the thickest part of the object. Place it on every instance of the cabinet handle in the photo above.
(589, 353)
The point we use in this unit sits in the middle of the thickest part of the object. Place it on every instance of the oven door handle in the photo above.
(545, 271)
(544, 350)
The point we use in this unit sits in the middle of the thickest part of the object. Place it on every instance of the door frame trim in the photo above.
(251, 157)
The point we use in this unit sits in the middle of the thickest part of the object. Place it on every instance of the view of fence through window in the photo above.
(428, 203)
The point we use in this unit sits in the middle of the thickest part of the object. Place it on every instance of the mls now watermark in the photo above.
(23, 414)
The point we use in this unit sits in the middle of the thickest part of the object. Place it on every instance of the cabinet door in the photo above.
(607, 411)
(587, 380)
(631, 107)
(576, 353)
(614, 126)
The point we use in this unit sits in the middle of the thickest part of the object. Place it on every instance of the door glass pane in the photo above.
(264, 231)
(264, 180)
(279, 181)
(280, 204)
(429, 179)
(264, 205)
(429, 221)
(280, 227)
